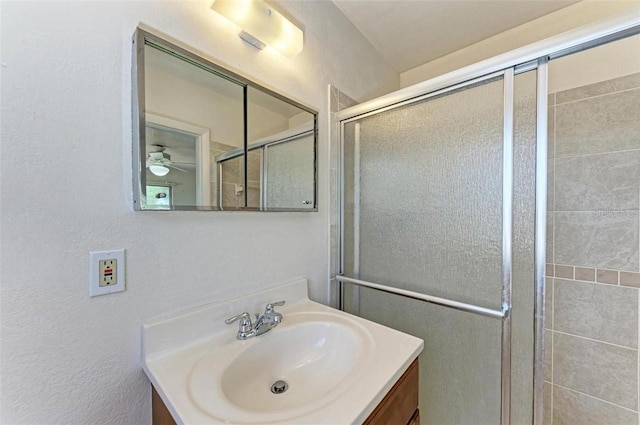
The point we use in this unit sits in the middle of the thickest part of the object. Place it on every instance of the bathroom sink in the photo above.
(317, 355)
(319, 365)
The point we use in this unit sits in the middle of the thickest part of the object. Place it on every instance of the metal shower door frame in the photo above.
(534, 56)
(507, 78)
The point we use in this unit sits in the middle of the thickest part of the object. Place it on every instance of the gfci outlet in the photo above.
(106, 272)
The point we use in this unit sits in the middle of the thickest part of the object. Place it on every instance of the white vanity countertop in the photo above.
(174, 350)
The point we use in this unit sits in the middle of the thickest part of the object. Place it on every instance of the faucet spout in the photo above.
(269, 320)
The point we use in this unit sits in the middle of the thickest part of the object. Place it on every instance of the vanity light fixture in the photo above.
(159, 170)
(261, 25)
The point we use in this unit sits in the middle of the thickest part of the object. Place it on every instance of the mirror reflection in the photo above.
(208, 139)
(280, 157)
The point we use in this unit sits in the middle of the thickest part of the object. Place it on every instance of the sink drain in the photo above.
(279, 387)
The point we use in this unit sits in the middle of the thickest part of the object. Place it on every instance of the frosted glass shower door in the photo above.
(289, 174)
(423, 211)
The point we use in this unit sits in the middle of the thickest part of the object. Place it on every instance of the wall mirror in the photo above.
(205, 138)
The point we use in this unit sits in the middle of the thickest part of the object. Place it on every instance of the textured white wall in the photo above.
(174, 97)
(65, 175)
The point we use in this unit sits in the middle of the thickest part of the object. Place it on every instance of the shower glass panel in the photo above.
(423, 193)
(289, 174)
(423, 211)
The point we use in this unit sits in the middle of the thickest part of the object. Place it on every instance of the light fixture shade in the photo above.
(263, 23)
(159, 170)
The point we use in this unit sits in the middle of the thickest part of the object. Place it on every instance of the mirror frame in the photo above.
(143, 37)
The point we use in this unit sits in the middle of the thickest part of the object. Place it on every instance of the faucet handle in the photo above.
(270, 307)
(245, 321)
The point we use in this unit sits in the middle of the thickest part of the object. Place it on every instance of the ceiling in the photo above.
(181, 146)
(408, 33)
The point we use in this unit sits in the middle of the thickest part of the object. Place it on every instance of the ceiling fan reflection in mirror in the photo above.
(159, 162)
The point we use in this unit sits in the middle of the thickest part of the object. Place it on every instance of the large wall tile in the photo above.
(599, 124)
(548, 301)
(229, 197)
(550, 247)
(334, 102)
(598, 182)
(604, 312)
(551, 185)
(335, 250)
(603, 87)
(231, 170)
(572, 408)
(253, 194)
(607, 239)
(551, 132)
(253, 170)
(334, 216)
(345, 101)
(601, 370)
(547, 395)
(548, 352)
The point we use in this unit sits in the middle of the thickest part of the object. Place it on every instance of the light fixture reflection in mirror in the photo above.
(159, 170)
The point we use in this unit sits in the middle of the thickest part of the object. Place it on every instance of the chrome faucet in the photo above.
(247, 329)
(269, 320)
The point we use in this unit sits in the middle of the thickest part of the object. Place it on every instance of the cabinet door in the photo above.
(400, 403)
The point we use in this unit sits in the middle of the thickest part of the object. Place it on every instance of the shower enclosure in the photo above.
(286, 171)
(443, 207)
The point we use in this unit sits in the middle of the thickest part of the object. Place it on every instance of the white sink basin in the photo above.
(338, 367)
(319, 355)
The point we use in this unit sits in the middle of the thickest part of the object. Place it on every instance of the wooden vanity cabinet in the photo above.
(399, 406)
(159, 413)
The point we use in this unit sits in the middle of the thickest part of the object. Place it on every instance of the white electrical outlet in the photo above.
(106, 272)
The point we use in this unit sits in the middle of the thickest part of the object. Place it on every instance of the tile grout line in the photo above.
(596, 398)
(596, 283)
(598, 153)
(596, 340)
(595, 269)
(596, 96)
(592, 211)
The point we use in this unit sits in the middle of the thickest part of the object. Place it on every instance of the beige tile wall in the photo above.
(591, 358)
